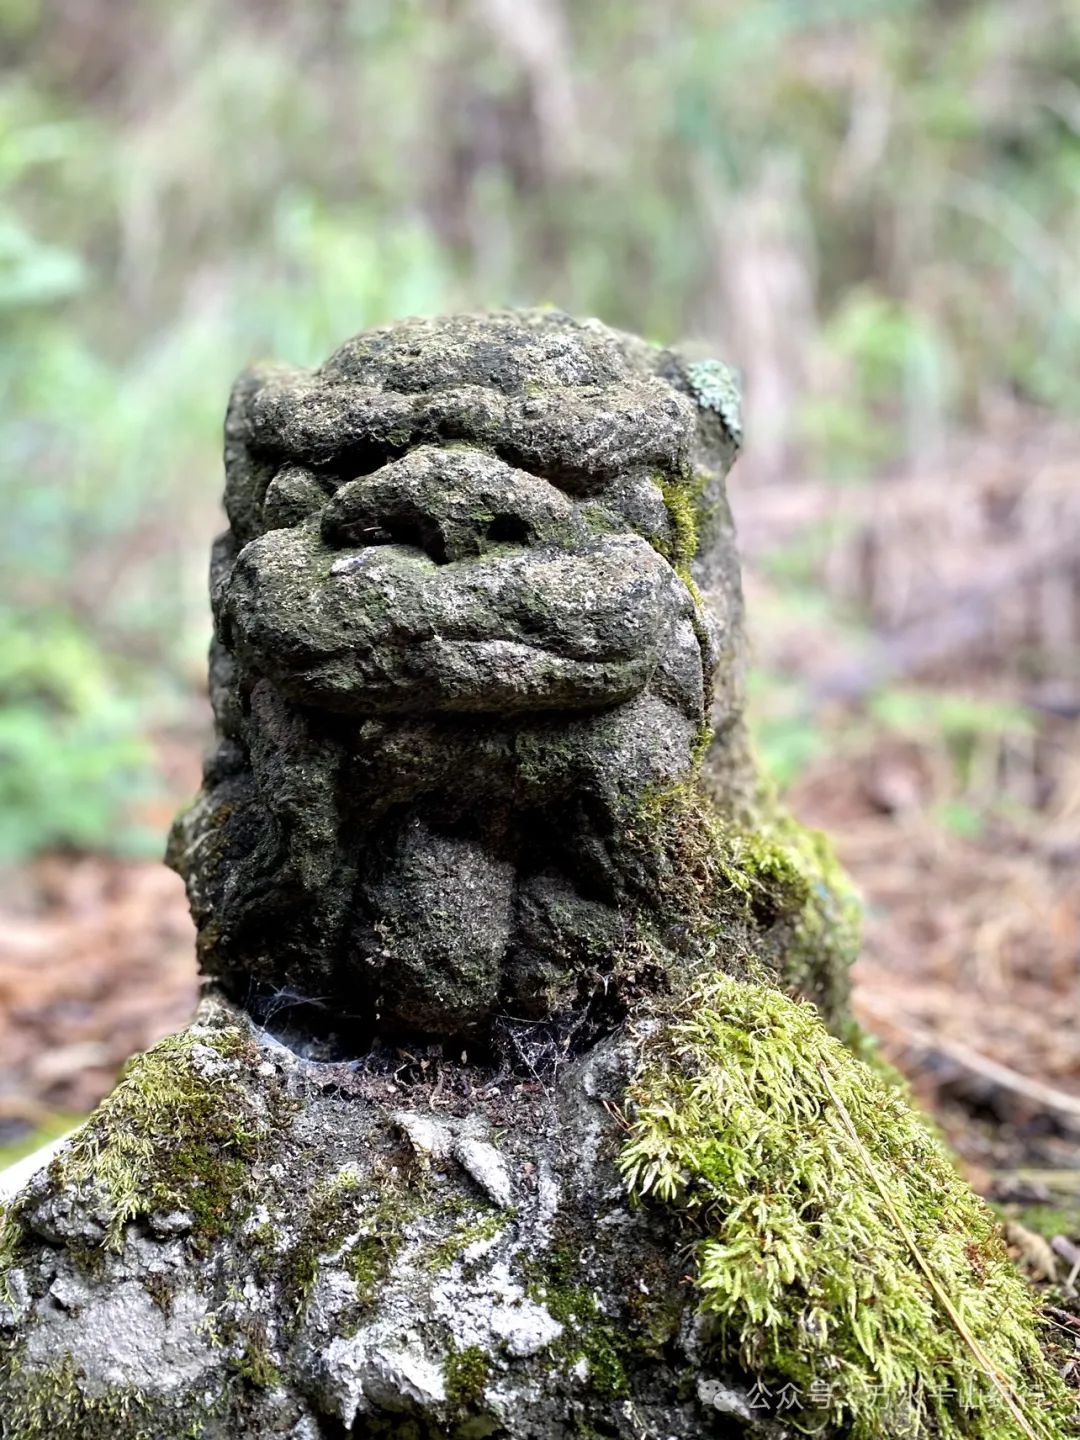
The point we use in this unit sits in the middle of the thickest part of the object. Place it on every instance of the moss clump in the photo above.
(180, 1131)
(476, 1229)
(12, 1240)
(801, 901)
(764, 897)
(161, 1290)
(741, 1122)
(681, 501)
(466, 1374)
(51, 1405)
(256, 1367)
(368, 1228)
(332, 1215)
(368, 1261)
(588, 1334)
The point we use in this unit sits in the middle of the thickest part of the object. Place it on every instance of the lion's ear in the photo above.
(238, 413)
(249, 468)
(715, 387)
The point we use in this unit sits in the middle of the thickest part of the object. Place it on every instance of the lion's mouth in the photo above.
(385, 628)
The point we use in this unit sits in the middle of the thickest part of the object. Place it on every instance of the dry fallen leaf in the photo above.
(1031, 1252)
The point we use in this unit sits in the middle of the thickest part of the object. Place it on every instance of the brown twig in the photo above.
(1065, 1107)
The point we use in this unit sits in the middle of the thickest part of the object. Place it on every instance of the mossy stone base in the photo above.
(269, 1246)
(408, 1249)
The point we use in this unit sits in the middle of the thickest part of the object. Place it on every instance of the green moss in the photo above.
(161, 1289)
(477, 1228)
(802, 902)
(50, 1405)
(681, 501)
(256, 1367)
(588, 1334)
(800, 1267)
(597, 520)
(369, 1229)
(13, 1239)
(243, 1339)
(674, 839)
(180, 1131)
(369, 1260)
(262, 1237)
(332, 1214)
(466, 1373)
(762, 897)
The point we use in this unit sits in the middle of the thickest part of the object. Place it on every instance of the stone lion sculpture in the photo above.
(523, 1100)
(454, 651)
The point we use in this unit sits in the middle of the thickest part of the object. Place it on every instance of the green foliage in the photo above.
(898, 374)
(73, 755)
(32, 273)
(801, 1270)
(965, 732)
(333, 1212)
(788, 736)
(969, 732)
(960, 720)
(1050, 1220)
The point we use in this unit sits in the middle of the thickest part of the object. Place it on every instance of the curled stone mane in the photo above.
(478, 600)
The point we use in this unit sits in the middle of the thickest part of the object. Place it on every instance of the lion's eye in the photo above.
(292, 496)
(362, 457)
(508, 530)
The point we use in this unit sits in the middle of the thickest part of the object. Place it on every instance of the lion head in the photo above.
(469, 610)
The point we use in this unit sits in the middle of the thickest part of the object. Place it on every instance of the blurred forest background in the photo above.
(871, 206)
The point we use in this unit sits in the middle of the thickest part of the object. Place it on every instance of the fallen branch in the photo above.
(1059, 1103)
(1065, 1181)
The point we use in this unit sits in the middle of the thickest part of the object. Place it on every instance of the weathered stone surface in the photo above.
(465, 1138)
(459, 639)
(472, 1260)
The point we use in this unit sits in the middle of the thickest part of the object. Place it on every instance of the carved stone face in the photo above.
(457, 641)
(450, 581)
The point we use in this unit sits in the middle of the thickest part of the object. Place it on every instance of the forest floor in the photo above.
(916, 684)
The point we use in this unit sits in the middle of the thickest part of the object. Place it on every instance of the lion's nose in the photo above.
(451, 504)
